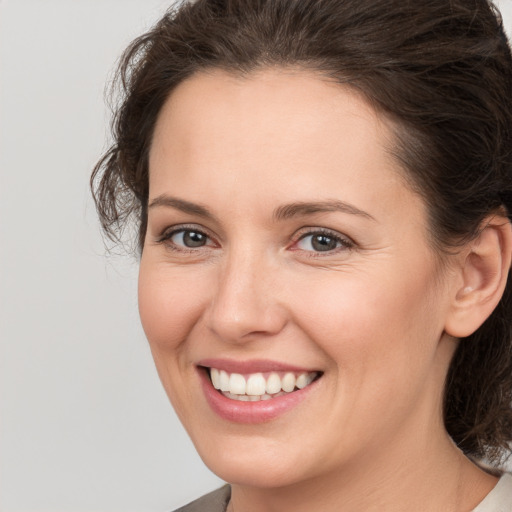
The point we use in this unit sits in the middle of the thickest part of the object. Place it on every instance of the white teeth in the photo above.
(214, 374)
(273, 384)
(237, 384)
(303, 380)
(256, 384)
(255, 387)
(288, 383)
(223, 381)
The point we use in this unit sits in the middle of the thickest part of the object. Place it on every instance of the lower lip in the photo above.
(251, 412)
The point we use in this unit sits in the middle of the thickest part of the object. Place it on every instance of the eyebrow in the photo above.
(288, 211)
(182, 205)
(283, 212)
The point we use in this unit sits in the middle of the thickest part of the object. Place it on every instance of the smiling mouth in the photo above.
(254, 387)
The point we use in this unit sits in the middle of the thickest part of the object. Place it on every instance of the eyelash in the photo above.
(345, 243)
(165, 238)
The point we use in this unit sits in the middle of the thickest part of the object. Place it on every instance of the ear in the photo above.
(485, 267)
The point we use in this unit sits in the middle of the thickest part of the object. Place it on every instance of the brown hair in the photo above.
(441, 69)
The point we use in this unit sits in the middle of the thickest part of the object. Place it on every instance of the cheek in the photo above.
(169, 307)
(380, 336)
(372, 321)
(169, 304)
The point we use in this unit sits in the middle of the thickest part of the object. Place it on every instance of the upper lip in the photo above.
(251, 366)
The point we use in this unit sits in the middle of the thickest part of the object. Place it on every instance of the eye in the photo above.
(189, 238)
(322, 241)
(185, 238)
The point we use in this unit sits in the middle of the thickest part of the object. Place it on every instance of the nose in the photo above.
(246, 303)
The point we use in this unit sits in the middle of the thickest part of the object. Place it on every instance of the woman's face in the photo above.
(284, 246)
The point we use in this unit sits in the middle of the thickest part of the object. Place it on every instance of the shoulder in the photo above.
(500, 498)
(215, 501)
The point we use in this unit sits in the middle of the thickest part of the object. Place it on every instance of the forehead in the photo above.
(272, 132)
(271, 106)
(272, 98)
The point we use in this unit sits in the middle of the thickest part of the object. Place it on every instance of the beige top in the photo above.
(216, 501)
(498, 500)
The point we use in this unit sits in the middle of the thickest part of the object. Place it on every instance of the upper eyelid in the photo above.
(170, 230)
(307, 231)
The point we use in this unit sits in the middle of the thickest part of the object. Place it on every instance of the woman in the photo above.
(322, 191)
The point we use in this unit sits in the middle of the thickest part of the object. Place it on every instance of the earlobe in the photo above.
(484, 273)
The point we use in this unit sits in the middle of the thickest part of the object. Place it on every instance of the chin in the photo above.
(245, 471)
(255, 461)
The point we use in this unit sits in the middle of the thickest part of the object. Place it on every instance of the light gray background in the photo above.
(84, 423)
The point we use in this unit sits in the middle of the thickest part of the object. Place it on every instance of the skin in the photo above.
(371, 314)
